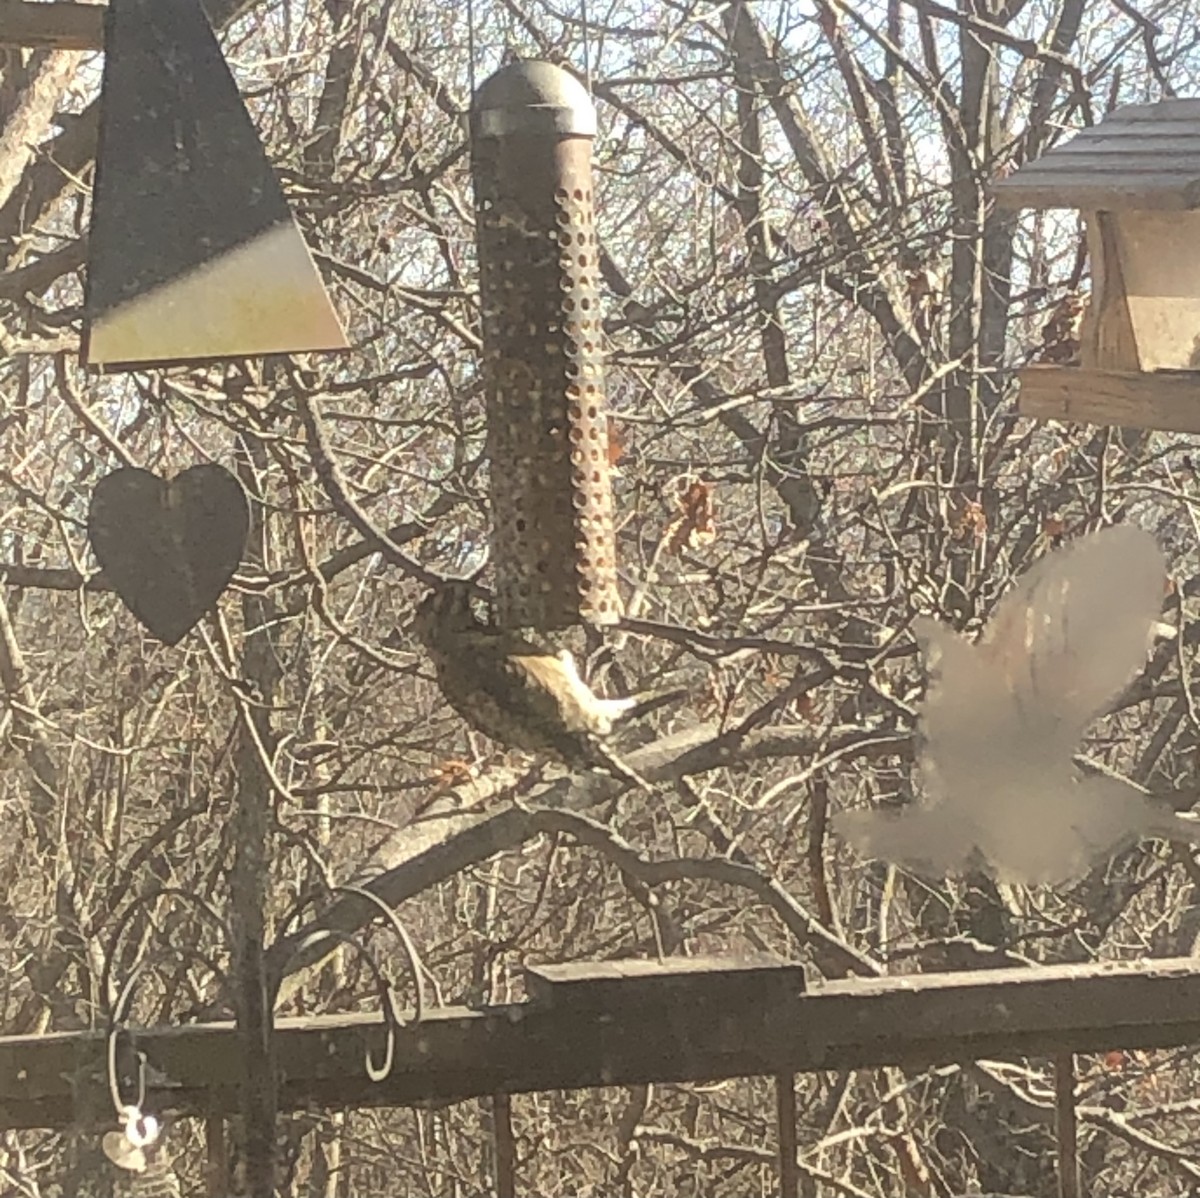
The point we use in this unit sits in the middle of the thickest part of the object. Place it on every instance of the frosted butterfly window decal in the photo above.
(1003, 718)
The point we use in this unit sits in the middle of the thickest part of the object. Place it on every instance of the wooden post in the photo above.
(1106, 336)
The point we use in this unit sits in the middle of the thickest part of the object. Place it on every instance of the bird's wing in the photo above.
(1116, 815)
(1061, 644)
(934, 841)
(1059, 648)
(1077, 626)
(490, 689)
(1083, 822)
(1044, 832)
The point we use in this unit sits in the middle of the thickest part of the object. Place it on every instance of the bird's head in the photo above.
(446, 609)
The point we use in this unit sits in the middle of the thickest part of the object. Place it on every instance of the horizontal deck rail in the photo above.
(59, 26)
(595, 1024)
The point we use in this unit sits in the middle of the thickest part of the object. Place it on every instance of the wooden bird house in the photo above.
(1136, 179)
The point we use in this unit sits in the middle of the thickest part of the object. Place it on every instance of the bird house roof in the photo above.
(1141, 156)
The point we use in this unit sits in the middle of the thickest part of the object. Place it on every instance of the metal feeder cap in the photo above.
(532, 97)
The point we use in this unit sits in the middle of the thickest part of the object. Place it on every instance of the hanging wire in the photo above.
(587, 46)
(471, 50)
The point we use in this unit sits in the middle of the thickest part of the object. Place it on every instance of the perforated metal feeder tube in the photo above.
(554, 547)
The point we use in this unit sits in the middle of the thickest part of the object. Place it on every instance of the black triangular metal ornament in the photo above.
(193, 253)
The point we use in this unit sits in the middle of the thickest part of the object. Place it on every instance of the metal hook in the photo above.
(140, 1129)
(125, 1111)
(415, 966)
(421, 1003)
(471, 51)
(379, 1073)
(587, 46)
(392, 1018)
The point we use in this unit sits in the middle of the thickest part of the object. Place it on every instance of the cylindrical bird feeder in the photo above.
(553, 543)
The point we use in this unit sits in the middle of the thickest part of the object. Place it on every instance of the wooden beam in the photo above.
(58, 1079)
(616, 985)
(53, 26)
(1168, 401)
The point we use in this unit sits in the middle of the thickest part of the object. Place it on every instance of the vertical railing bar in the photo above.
(505, 1146)
(1066, 1126)
(785, 1114)
(216, 1156)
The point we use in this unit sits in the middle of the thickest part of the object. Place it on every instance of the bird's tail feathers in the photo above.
(636, 707)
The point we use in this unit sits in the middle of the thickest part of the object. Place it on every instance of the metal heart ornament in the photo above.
(169, 547)
(122, 1153)
(132, 1147)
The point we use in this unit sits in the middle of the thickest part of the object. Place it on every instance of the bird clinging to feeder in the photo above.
(1136, 178)
(553, 544)
(518, 692)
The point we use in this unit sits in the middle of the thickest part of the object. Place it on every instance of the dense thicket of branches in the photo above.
(814, 313)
